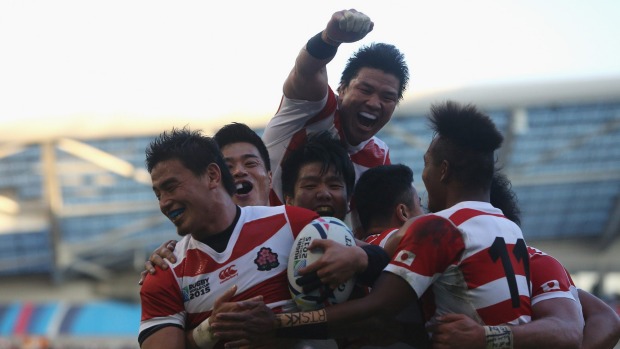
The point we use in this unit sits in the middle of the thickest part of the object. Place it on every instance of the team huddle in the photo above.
(460, 276)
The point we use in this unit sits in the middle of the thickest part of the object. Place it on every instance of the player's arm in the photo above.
(340, 263)
(169, 337)
(161, 324)
(390, 294)
(202, 335)
(557, 325)
(602, 328)
(308, 78)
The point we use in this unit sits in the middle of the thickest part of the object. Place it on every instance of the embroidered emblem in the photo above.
(266, 260)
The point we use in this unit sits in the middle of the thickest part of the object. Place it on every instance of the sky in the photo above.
(80, 68)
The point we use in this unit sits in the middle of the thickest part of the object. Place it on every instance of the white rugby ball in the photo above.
(320, 228)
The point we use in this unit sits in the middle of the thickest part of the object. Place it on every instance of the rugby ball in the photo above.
(320, 228)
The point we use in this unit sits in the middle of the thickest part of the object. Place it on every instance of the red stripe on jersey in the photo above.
(370, 156)
(503, 312)
(274, 200)
(436, 243)
(377, 239)
(298, 140)
(273, 290)
(480, 268)
(465, 214)
(299, 217)
(327, 110)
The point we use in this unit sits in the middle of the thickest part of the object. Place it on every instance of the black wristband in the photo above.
(310, 331)
(378, 259)
(319, 49)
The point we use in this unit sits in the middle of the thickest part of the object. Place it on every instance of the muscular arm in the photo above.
(390, 295)
(308, 78)
(557, 324)
(602, 329)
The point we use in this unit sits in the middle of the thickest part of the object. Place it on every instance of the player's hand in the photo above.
(223, 304)
(338, 264)
(348, 26)
(157, 259)
(457, 331)
(255, 323)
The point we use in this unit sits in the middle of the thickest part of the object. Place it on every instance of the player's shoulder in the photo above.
(249, 213)
(299, 214)
(433, 226)
(431, 219)
(541, 259)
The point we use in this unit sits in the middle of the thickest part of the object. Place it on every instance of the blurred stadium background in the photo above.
(78, 217)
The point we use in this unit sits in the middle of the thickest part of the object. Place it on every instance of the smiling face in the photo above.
(183, 197)
(252, 180)
(324, 193)
(367, 104)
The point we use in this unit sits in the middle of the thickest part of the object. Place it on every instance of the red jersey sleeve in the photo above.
(160, 295)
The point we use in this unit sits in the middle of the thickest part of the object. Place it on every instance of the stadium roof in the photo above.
(531, 94)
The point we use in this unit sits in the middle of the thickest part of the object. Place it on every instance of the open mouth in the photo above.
(367, 119)
(324, 211)
(174, 215)
(243, 188)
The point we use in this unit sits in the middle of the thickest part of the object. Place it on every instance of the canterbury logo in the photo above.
(228, 273)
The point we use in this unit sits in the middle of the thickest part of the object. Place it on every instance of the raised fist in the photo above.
(348, 26)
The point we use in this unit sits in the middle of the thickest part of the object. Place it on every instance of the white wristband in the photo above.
(498, 337)
(203, 337)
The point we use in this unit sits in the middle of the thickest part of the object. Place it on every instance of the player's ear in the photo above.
(445, 171)
(214, 174)
(402, 212)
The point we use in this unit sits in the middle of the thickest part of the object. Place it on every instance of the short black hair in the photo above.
(236, 133)
(468, 139)
(195, 151)
(384, 57)
(323, 148)
(504, 198)
(380, 189)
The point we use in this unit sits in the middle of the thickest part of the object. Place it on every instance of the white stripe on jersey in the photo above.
(493, 292)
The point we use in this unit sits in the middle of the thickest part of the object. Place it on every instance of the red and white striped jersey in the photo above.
(381, 238)
(255, 260)
(471, 260)
(296, 119)
(549, 278)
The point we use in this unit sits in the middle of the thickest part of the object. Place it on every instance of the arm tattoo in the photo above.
(301, 318)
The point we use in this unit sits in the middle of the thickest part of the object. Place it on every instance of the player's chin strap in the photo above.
(498, 337)
(203, 337)
(306, 325)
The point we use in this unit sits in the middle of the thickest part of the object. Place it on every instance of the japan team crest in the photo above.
(266, 259)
